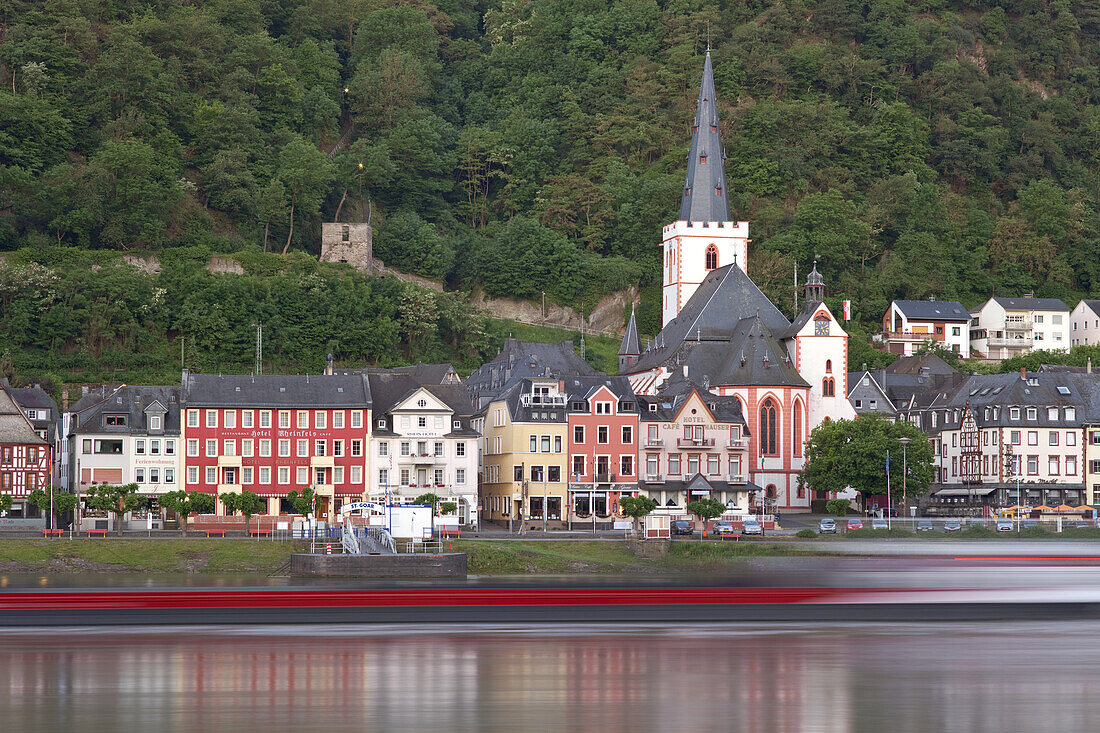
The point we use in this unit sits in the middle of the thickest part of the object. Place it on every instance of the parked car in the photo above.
(751, 526)
(952, 525)
(827, 526)
(879, 524)
(723, 527)
(682, 526)
(1005, 525)
(924, 525)
(855, 524)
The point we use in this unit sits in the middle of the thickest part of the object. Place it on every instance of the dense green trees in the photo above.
(940, 147)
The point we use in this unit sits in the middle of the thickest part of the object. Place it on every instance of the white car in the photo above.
(751, 526)
(1005, 525)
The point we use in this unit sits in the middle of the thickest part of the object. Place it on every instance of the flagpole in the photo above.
(889, 505)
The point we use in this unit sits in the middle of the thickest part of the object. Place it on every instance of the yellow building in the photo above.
(524, 467)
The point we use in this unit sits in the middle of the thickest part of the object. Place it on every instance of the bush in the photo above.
(879, 533)
(978, 532)
(839, 507)
(1037, 531)
(806, 534)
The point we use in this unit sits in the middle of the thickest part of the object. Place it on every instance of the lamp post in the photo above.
(904, 474)
(1010, 470)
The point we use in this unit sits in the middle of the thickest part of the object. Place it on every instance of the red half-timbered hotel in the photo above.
(24, 455)
(271, 434)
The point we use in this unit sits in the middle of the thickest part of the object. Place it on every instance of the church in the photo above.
(720, 331)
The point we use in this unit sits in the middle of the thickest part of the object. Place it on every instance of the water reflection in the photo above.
(898, 678)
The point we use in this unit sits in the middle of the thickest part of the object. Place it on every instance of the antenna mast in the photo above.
(259, 367)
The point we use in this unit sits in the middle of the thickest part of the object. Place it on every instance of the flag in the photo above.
(847, 310)
(887, 466)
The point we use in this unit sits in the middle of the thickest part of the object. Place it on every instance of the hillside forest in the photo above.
(914, 148)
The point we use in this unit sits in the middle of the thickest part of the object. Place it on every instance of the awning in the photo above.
(976, 491)
(1064, 508)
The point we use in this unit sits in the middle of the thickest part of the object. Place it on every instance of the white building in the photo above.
(127, 435)
(1085, 324)
(1006, 327)
(909, 324)
(422, 442)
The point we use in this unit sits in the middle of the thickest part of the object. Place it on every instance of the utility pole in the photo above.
(259, 366)
(796, 287)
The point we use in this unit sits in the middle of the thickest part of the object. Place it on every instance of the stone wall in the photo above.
(450, 565)
(348, 243)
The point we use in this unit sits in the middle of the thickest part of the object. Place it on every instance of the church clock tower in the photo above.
(705, 237)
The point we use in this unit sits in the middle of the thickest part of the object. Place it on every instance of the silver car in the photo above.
(827, 526)
(1005, 525)
(879, 524)
(751, 526)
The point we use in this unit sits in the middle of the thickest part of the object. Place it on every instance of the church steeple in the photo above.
(706, 197)
(631, 348)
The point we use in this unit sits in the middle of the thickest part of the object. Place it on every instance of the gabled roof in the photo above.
(706, 197)
(920, 364)
(34, 397)
(631, 346)
(1093, 305)
(1031, 304)
(520, 360)
(675, 395)
(933, 310)
(712, 315)
(15, 428)
(131, 400)
(420, 372)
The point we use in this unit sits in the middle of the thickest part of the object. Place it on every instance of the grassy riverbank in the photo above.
(156, 556)
(488, 557)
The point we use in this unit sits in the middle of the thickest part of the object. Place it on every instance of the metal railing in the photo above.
(434, 547)
(695, 442)
(350, 542)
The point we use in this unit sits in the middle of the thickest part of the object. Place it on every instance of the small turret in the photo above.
(815, 286)
(631, 348)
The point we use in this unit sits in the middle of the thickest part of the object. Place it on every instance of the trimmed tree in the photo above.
(5, 502)
(448, 507)
(116, 499)
(706, 509)
(302, 501)
(185, 504)
(636, 507)
(62, 502)
(838, 507)
(246, 503)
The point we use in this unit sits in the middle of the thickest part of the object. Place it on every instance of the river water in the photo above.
(897, 678)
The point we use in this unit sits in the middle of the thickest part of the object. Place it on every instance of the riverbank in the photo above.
(148, 556)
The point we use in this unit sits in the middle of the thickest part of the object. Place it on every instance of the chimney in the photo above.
(328, 366)
(64, 399)
(685, 371)
(184, 375)
(1023, 372)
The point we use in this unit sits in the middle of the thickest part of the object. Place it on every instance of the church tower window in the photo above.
(828, 387)
(768, 442)
(828, 366)
(712, 257)
(796, 425)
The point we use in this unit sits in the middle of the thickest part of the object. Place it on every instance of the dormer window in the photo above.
(154, 422)
(116, 421)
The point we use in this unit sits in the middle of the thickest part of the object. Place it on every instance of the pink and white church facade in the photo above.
(721, 332)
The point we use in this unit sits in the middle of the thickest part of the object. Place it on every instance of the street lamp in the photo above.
(1010, 470)
(904, 473)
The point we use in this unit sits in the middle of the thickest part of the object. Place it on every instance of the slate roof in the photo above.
(530, 413)
(521, 360)
(631, 346)
(930, 363)
(389, 388)
(706, 196)
(1032, 304)
(670, 400)
(582, 388)
(933, 310)
(34, 398)
(421, 372)
(1094, 305)
(725, 317)
(15, 428)
(276, 390)
(92, 409)
(1039, 389)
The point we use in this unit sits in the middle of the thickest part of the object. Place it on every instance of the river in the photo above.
(829, 677)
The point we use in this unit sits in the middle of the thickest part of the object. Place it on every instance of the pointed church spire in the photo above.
(705, 195)
(631, 349)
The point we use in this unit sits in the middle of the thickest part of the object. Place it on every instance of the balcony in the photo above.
(421, 458)
(1019, 325)
(695, 442)
(737, 443)
(736, 478)
(542, 400)
(1010, 343)
(654, 478)
(907, 336)
(322, 462)
(229, 461)
(604, 478)
(654, 442)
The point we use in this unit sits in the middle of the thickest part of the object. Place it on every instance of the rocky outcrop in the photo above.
(606, 317)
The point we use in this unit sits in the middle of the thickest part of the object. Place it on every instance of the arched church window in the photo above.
(828, 366)
(712, 257)
(767, 428)
(828, 387)
(796, 425)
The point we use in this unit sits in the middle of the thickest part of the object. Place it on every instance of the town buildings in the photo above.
(1085, 324)
(24, 457)
(695, 445)
(1006, 327)
(41, 410)
(271, 434)
(422, 442)
(129, 434)
(909, 324)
